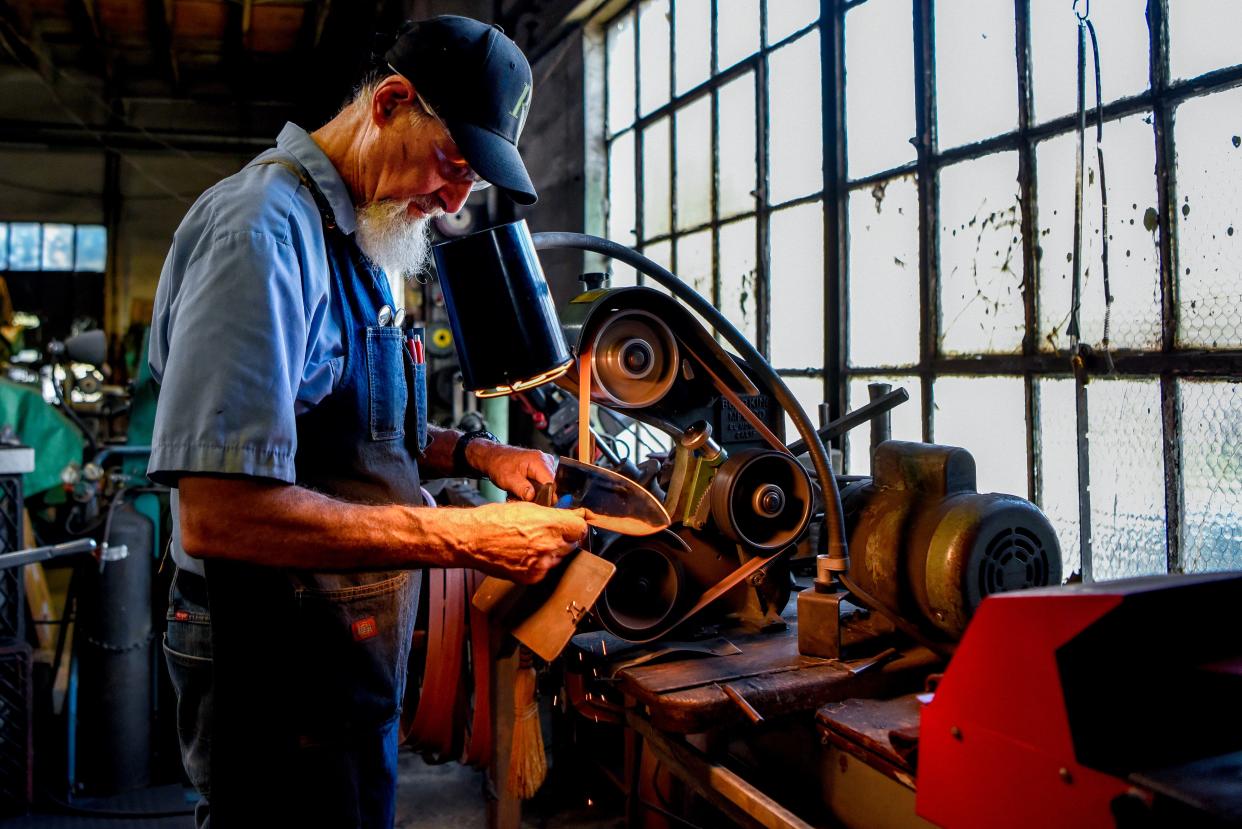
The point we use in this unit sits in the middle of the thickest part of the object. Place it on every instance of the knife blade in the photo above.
(609, 500)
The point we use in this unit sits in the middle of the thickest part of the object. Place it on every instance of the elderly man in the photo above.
(291, 422)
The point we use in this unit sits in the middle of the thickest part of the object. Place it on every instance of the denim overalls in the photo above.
(288, 715)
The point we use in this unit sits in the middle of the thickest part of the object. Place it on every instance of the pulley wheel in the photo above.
(633, 360)
(645, 592)
(762, 499)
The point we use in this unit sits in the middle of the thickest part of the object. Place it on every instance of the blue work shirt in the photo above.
(244, 337)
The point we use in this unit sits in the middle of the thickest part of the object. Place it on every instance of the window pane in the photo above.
(57, 247)
(987, 417)
(884, 274)
(621, 201)
(662, 254)
(653, 65)
(738, 161)
(737, 31)
(796, 149)
(788, 16)
(1133, 253)
(621, 73)
(1127, 479)
(879, 95)
(1212, 475)
(907, 419)
(694, 262)
(1122, 29)
(694, 163)
(1209, 221)
(1203, 35)
(92, 248)
(738, 276)
(981, 306)
(796, 237)
(25, 246)
(1058, 458)
(976, 71)
(693, 49)
(656, 197)
(4, 246)
(809, 392)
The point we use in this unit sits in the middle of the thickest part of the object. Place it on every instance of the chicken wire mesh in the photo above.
(1211, 417)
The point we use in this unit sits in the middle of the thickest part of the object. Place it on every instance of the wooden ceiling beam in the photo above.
(160, 27)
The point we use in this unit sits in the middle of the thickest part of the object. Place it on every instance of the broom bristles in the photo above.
(527, 764)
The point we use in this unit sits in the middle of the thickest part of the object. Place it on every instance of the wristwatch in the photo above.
(462, 468)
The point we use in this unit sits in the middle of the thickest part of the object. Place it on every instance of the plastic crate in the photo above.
(16, 743)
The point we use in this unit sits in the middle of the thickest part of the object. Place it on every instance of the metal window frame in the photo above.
(755, 64)
(1169, 364)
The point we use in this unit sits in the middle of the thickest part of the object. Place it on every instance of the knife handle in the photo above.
(545, 494)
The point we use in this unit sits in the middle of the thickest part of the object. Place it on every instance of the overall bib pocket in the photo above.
(386, 388)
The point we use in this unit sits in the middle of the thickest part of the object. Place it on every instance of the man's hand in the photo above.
(516, 541)
(515, 470)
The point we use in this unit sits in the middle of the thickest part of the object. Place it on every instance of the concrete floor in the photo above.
(450, 796)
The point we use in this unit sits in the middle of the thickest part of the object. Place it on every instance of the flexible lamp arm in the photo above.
(834, 519)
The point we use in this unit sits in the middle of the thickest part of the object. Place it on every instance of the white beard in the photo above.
(393, 240)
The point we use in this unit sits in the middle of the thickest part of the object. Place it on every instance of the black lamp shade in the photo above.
(504, 323)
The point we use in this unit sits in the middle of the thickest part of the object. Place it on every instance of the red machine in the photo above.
(1115, 704)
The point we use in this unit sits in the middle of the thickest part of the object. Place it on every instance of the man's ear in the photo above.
(393, 93)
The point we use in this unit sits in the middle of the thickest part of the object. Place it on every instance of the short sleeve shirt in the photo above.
(244, 337)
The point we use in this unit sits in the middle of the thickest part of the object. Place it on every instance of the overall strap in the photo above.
(321, 201)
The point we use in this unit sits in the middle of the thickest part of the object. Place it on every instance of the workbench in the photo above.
(673, 704)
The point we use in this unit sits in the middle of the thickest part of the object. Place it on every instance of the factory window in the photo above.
(51, 246)
(956, 201)
(713, 130)
(925, 238)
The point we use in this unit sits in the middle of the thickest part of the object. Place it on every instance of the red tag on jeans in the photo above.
(364, 629)
(181, 615)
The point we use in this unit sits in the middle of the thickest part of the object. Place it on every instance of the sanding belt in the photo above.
(436, 726)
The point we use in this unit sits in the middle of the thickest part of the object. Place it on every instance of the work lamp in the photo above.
(500, 308)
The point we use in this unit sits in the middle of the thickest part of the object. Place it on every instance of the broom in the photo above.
(527, 763)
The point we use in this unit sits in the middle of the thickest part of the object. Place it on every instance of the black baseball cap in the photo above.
(479, 82)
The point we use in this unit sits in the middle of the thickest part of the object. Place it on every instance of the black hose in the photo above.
(834, 517)
(70, 413)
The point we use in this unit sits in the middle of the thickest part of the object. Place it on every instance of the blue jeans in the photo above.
(187, 649)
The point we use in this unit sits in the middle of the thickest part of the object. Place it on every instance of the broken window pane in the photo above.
(976, 71)
(692, 50)
(57, 247)
(738, 163)
(981, 309)
(621, 73)
(1121, 26)
(25, 246)
(1203, 35)
(796, 152)
(1127, 478)
(91, 248)
(809, 392)
(653, 64)
(797, 286)
(884, 274)
(1208, 135)
(906, 419)
(738, 274)
(1211, 415)
(788, 16)
(656, 196)
(879, 95)
(1133, 252)
(737, 31)
(987, 417)
(694, 163)
(1058, 461)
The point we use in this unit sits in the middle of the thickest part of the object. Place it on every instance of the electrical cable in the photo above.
(70, 413)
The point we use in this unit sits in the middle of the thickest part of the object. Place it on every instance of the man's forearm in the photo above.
(288, 526)
(438, 456)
